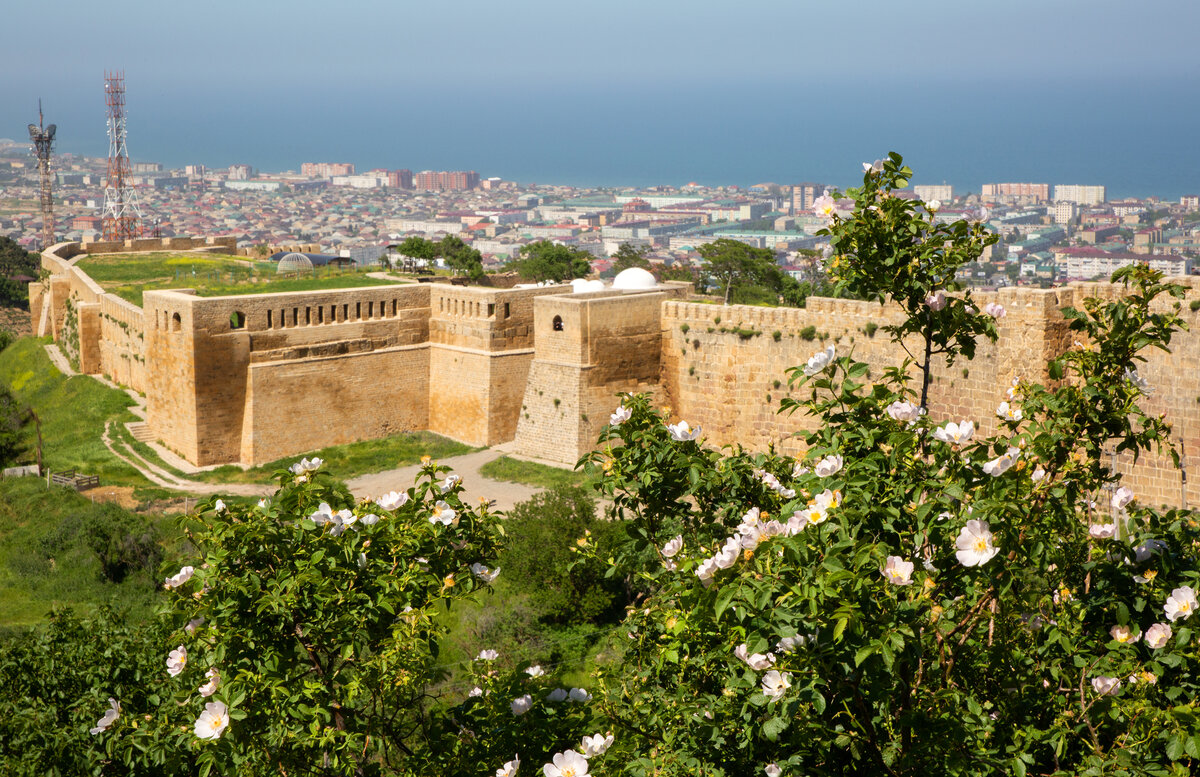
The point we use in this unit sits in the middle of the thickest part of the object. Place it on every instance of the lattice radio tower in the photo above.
(42, 138)
(122, 217)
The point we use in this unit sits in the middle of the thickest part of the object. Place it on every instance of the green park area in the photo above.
(211, 275)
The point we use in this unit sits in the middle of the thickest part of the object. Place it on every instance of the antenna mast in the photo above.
(42, 138)
(122, 217)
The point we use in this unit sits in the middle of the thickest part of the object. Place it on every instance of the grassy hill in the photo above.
(58, 548)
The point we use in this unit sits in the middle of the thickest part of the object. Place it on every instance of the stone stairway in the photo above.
(140, 431)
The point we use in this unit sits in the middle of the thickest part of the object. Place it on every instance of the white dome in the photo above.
(581, 286)
(634, 278)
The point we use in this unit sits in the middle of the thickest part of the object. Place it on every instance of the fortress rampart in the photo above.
(255, 378)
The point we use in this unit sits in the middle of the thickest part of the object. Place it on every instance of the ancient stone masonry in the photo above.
(256, 378)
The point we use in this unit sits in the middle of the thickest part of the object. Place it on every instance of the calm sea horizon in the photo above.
(1137, 138)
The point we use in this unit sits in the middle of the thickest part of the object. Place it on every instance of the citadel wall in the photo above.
(256, 378)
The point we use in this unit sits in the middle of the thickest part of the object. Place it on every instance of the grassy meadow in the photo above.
(211, 275)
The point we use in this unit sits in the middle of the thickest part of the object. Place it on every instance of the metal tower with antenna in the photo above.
(42, 138)
(122, 217)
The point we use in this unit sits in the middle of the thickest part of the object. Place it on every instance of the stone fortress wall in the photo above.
(256, 378)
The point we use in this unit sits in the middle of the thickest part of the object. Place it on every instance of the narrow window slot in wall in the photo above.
(321, 314)
(269, 319)
(346, 312)
(307, 316)
(295, 316)
(491, 309)
(357, 311)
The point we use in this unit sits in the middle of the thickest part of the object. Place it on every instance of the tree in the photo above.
(418, 248)
(546, 261)
(734, 263)
(461, 257)
(627, 256)
(14, 262)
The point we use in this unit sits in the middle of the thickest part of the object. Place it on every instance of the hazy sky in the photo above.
(208, 79)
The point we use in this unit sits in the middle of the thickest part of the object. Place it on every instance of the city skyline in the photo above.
(631, 95)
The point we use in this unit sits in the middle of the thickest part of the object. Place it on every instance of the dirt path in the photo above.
(475, 486)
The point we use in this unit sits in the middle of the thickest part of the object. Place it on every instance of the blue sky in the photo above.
(451, 80)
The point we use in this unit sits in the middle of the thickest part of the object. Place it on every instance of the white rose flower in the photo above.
(535, 671)
(176, 661)
(620, 416)
(819, 361)
(213, 721)
(219, 506)
(681, 432)
(450, 482)
(936, 301)
(264, 503)
(789, 644)
(955, 434)
(933, 206)
(776, 683)
(521, 704)
(904, 411)
(1137, 380)
(1158, 635)
(443, 514)
(210, 687)
(323, 514)
(728, 555)
(510, 769)
(995, 310)
(1037, 475)
(1180, 604)
(772, 770)
(579, 694)
(485, 574)
(974, 544)
(828, 499)
(1103, 531)
(1122, 498)
(475, 692)
(1147, 549)
(558, 694)
(1009, 412)
(1106, 686)
(999, 465)
(1123, 634)
(108, 718)
(596, 744)
(673, 546)
(706, 570)
(799, 470)
(193, 626)
(487, 655)
(392, 500)
(179, 578)
(897, 571)
(830, 465)
(370, 519)
(825, 207)
(566, 764)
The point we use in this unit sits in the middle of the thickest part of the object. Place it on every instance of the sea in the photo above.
(1137, 136)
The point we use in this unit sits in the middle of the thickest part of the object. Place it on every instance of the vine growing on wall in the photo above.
(69, 339)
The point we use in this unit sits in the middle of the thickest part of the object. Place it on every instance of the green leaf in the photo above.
(723, 599)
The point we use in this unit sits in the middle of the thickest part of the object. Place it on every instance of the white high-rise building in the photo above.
(1079, 194)
(942, 192)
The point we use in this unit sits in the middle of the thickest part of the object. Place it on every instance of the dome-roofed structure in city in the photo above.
(634, 279)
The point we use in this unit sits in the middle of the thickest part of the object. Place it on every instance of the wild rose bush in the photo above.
(912, 597)
(307, 642)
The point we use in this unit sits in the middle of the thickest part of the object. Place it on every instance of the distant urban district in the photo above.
(1048, 233)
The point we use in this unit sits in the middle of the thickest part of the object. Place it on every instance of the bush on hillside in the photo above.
(540, 561)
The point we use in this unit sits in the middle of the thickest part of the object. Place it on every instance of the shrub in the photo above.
(540, 561)
(908, 599)
(776, 335)
(808, 333)
(684, 327)
(1194, 305)
(870, 328)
